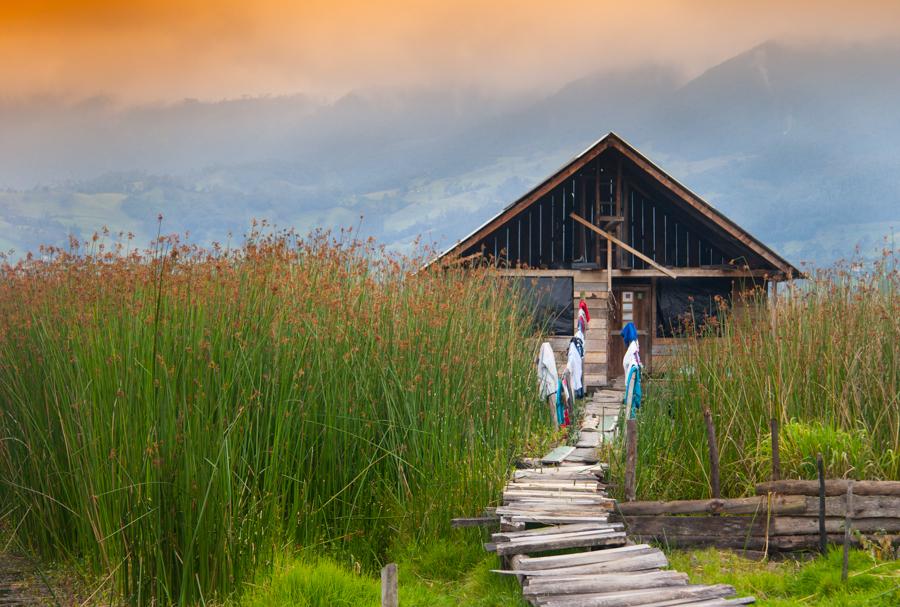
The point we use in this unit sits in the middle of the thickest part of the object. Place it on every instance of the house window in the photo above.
(551, 300)
(688, 303)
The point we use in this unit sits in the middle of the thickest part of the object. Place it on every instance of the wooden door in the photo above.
(632, 303)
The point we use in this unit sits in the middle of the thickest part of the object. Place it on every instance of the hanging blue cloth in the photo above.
(629, 333)
(560, 403)
(634, 375)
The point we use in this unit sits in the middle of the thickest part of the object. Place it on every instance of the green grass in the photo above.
(179, 419)
(790, 583)
(443, 573)
(829, 373)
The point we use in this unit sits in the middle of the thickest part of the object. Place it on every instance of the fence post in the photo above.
(713, 453)
(389, 585)
(776, 455)
(630, 458)
(823, 537)
(848, 518)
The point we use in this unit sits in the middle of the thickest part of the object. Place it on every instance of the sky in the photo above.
(150, 51)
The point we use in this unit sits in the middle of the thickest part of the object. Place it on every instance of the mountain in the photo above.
(799, 144)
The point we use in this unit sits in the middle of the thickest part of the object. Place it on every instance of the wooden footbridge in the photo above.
(559, 503)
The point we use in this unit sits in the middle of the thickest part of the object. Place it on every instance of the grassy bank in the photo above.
(829, 372)
(442, 573)
(871, 581)
(180, 418)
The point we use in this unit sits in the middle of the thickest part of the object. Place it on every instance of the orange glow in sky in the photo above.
(152, 50)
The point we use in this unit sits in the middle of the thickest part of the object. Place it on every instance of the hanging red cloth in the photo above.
(584, 308)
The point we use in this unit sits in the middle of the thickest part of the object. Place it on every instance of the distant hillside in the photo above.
(799, 145)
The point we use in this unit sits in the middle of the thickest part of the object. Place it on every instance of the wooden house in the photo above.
(614, 229)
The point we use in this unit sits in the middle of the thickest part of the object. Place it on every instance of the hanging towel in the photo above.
(575, 364)
(560, 403)
(633, 386)
(632, 354)
(546, 370)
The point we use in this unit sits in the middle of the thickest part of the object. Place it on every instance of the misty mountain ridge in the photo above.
(799, 145)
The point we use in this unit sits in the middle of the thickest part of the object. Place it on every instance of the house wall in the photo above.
(588, 285)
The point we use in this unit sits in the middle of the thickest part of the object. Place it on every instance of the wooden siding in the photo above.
(587, 285)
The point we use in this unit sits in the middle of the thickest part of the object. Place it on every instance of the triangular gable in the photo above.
(660, 177)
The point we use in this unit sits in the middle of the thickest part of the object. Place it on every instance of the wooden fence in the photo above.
(783, 516)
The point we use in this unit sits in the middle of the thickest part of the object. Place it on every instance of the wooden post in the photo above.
(622, 227)
(776, 455)
(848, 519)
(713, 454)
(630, 458)
(609, 245)
(773, 308)
(823, 537)
(389, 585)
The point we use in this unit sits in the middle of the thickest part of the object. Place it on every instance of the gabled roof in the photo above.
(665, 181)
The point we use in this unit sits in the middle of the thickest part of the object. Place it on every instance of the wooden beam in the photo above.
(612, 238)
(599, 275)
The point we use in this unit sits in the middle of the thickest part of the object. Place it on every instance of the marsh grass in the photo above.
(177, 418)
(830, 373)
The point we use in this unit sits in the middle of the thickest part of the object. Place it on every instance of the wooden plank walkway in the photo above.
(565, 506)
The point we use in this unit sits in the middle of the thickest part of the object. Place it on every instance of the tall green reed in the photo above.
(179, 417)
(829, 373)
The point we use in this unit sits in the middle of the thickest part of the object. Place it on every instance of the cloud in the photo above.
(148, 50)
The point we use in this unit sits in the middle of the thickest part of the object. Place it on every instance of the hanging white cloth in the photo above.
(632, 356)
(548, 378)
(575, 363)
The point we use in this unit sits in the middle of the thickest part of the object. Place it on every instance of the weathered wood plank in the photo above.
(475, 521)
(605, 583)
(832, 488)
(696, 525)
(736, 542)
(588, 439)
(557, 455)
(641, 562)
(802, 525)
(583, 558)
(584, 454)
(641, 597)
(868, 506)
(781, 504)
(703, 603)
(556, 519)
(552, 530)
(583, 540)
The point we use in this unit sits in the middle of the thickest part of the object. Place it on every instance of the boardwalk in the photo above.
(561, 504)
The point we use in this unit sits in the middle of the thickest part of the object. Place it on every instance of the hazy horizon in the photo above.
(427, 119)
